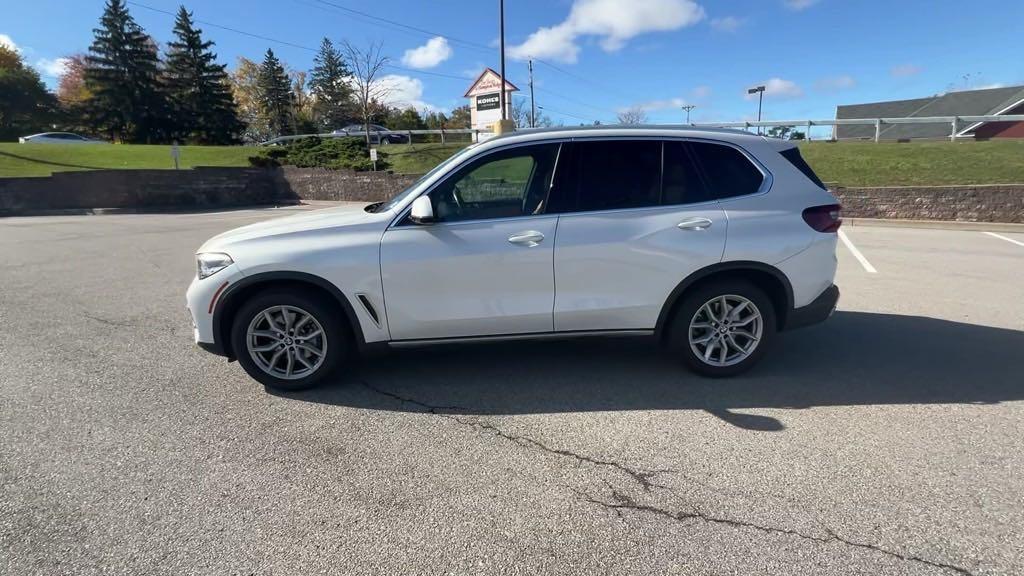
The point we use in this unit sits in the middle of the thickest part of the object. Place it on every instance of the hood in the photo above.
(307, 221)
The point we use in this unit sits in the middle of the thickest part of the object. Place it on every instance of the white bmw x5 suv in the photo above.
(710, 241)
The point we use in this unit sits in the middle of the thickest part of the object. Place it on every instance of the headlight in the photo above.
(210, 263)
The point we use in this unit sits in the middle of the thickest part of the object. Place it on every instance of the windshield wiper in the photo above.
(372, 208)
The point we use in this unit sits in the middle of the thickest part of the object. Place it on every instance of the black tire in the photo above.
(694, 300)
(337, 338)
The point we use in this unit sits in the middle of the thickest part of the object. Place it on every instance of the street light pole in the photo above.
(501, 41)
(759, 90)
(688, 107)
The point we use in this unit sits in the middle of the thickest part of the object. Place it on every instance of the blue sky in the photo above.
(600, 56)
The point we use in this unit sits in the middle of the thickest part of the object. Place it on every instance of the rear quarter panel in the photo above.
(769, 227)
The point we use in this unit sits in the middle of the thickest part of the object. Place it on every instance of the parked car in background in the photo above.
(57, 138)
(379, 135)
(709, 241)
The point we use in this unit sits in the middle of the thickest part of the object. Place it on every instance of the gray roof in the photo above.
(966, 103)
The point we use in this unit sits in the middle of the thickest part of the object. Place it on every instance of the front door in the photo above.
(485, 266)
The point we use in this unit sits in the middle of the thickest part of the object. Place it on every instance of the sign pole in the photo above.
(533, 104)
(501, 41)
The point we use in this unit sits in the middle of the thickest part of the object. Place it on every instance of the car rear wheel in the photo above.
(723, 328)
(289, 341)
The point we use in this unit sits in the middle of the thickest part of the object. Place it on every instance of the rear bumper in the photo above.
(817, 311)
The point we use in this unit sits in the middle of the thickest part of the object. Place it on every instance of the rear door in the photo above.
(636, 219)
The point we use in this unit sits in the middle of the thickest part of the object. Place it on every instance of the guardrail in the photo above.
(445, 134)
(957, 124)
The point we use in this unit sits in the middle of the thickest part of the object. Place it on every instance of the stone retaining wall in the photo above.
(991, 203)
(213, 187)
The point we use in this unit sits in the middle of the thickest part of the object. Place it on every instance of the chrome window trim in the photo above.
(766, 183)
(402, 214)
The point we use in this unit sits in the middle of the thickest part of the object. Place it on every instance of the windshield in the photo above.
(405, 193)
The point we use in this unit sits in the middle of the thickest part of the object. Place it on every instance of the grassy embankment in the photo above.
(846, 163)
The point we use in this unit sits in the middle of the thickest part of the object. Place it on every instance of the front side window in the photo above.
(505, 184)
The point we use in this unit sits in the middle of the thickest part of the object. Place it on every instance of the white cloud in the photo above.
(799, 4)
(904, 70)
(435, 51)
(700, 92)
(8, 42)
(835, 83)
(404, 92)
(655, 105)
(52, 68)
(613, 22)
(726, 24)
(779, 88)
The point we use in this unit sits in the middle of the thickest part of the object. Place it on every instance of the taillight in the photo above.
(826, 218)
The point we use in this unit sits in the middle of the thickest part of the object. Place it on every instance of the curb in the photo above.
(143, 210)
(936, 224)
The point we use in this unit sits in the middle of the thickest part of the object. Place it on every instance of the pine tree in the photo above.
(122, 77)
(333, 106)
(275, 94)
(199, 91)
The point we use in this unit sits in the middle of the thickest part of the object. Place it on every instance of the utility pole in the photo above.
(759, 90)
(533, 103)
(688, 107)
(501, 41)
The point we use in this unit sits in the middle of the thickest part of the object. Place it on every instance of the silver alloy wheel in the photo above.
(286, 342)
(725, 330)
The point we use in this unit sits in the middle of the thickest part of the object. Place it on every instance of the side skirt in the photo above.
(528, 336)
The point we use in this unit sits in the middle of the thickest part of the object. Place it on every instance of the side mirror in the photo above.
(422, 211)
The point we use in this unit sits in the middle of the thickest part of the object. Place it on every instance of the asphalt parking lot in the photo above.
(885, 441)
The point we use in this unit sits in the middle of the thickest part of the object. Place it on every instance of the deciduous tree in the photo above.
(367, 69)
(635, 115)
(25, 105)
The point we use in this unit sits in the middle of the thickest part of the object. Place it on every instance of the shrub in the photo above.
(314, 152)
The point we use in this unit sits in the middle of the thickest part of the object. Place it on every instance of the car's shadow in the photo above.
(853, 359)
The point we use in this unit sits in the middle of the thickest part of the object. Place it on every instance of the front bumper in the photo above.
(200, 300)
(817, 311)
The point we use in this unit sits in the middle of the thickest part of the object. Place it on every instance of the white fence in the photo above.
(446, 134)
(957, 124)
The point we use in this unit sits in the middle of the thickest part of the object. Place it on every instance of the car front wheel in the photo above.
(288, 341)
(723, 328)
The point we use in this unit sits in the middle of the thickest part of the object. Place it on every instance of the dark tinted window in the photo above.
(727, 171)
(617, 174)
(681, 183)
(505, 184)
(798, 162)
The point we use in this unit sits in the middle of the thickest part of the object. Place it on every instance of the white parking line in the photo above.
(856, 254)
(1001, 237)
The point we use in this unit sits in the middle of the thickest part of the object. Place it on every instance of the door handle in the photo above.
(695, 224)
(529, 238)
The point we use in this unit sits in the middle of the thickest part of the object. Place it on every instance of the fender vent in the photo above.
(365, 301)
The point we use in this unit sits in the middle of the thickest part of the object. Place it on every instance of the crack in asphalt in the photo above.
(644, 479)
(624, 502)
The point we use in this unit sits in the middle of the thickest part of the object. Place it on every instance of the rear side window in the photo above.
(798, 162)
(681, 183)
(727, 171)
(616, 174)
